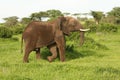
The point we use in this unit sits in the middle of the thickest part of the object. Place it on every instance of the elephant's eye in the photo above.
(71, 23)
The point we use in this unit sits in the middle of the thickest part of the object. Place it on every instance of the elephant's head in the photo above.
(70, 24)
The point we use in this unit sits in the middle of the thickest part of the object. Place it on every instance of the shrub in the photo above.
(73, 41)
(89, 43)
(102, 27)
(91, 25)
(5, 32)
(92, 44)
(105, 27)
(18, 30)
(70, 45)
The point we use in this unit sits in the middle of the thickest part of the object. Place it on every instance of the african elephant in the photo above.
(51, 34)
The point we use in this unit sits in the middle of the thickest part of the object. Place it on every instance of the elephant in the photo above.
(52, 34)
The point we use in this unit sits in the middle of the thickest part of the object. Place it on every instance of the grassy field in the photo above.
(81, 64)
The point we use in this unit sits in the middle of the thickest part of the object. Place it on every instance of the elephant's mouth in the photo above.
(66, 34)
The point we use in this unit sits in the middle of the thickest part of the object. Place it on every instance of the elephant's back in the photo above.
(40, 33)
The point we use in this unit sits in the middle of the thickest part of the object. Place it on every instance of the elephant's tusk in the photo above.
(84, 29)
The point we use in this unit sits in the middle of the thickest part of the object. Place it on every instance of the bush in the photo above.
(105, 27)
(102, 27)
(73, 41)
(5, 32)
(92, 44)
(18, 30)
(91, 25)
(70, 45)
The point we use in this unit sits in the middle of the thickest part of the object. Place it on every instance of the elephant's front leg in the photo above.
(60, 41)
(53, 50)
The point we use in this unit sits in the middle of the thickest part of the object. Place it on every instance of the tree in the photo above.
(77, 15)
(38, 15)
(25, 20)
(115, 13)
(66, 14)
(54, 13)
(85, 14)
(11, 21)
(97, 15)
(108, 19)
(35, 16)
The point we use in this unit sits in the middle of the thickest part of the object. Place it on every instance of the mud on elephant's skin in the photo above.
(51, 34)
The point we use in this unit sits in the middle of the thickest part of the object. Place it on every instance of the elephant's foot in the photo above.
(62, 60)
(25, 61)
(50, 59)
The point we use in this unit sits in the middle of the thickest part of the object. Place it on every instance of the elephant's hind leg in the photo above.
(53, 50)
(28, 49)
(26, 55)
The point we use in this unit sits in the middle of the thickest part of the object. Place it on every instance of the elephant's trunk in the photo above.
(81, 37)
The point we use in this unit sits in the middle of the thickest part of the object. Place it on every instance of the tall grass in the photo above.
(82, 63)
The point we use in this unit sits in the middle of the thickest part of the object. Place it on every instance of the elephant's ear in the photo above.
(60, 22)
(63, 25)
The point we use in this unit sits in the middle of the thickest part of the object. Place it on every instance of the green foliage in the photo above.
(97, 16)
(70, 45)
(105, 27)
(115, 13)
(102, 27)
(73, 42)
(38, 15)
(109, 19)
(1, 24)
(5, 32)
(35, 16)
(91, 25)
(52, 14)
(25, 20)
(92, 44)
(11, 21)
(18, 30)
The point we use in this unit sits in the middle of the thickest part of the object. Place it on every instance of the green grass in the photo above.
(81, 63)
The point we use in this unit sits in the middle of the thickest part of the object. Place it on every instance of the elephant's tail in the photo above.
(22, 44)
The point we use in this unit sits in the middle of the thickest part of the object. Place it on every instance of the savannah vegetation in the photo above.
(97, 59)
